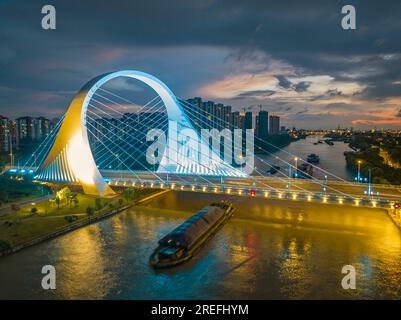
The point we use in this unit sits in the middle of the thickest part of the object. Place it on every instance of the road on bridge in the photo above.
(269, 183)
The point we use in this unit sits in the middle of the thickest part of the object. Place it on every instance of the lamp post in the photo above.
(359, 170)
(369, 183)
(154, 162)
(119, 165)
(241, 157)
(296, 167)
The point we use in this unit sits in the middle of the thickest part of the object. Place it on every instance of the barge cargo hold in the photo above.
(180, 245)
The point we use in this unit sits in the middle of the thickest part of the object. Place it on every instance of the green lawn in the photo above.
(19, 227)
(13, 190)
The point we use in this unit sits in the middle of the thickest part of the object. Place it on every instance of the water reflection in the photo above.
(270, 249)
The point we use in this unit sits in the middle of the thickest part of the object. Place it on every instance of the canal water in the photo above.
(270, 249)
(332, 158)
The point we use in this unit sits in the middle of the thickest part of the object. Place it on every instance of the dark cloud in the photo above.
(284, 82)
(331, 93)
(255, 94)
(302, 86)
(305, 110)
(339, 106)
(334, 93)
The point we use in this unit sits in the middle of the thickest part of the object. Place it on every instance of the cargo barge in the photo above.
(180, 245)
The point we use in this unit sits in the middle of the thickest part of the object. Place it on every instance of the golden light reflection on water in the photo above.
(83, 273)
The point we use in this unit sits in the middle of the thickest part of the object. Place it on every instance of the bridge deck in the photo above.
(302, 189)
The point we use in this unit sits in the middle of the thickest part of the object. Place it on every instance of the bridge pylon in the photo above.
(70, 159)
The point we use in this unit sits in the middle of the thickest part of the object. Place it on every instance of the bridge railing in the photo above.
(285, 194)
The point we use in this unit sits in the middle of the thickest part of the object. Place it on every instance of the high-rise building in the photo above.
(4, 134)
(263, 125)
(237, 120)
(227, 117)
(195, 112)
(42, 127)
(31, 129)
(249, 120)
(274, 125)
(13, 133)
(207, 114)
(25, 128)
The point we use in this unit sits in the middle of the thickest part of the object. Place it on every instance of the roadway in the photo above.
(339, 188)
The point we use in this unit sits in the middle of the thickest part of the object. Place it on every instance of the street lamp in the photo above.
(241, 157)
(359, 170)
(119, 165)
(154, 162)
(296, 166)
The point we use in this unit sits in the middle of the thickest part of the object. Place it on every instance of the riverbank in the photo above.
(58, 224)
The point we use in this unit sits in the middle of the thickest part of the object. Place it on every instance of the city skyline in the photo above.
(306, 69)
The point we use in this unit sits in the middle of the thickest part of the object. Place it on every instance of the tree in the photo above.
(2, 165)
(98, 203)
(90, 211)
(64, 194)
(129, 194)
(4, 245)
(58, 202)
(4, 196)
(15, 208)
(16, 224)
(120, 202)
(76, 202)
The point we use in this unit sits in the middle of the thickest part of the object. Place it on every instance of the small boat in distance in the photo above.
(180, 244)
(329, 142)
(313, 158)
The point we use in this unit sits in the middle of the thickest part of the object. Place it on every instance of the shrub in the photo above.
(15, 207)
(98, 203)
(34, 210)
(4, 245)
(90, 211)
(71, 218)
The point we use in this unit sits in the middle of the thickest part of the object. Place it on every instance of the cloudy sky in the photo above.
(291, 57)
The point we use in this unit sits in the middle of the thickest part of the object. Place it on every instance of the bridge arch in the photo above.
(70, 159)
